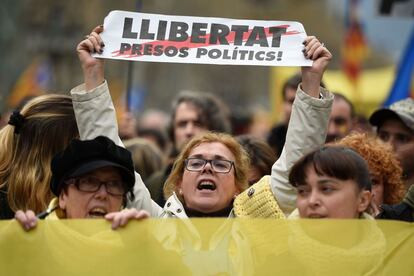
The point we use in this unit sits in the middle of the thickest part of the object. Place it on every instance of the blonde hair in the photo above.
(48, 127)
(241, 163)
(382, 162)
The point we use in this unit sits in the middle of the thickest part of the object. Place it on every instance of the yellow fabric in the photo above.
(208, 247)
(295, 215)
(258, 202)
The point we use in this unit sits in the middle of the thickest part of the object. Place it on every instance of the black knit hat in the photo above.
(81, 157)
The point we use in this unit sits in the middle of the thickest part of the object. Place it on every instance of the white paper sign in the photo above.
(207, 40)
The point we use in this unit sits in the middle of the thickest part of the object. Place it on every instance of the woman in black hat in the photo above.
(90, 179)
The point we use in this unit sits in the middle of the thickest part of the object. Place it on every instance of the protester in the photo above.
(158, 138)
(192, 113)
(395, 125)
(384, 168)
(404, 210)
(332, 182)
(90, 179)
(127, 126)
(146, 156)
(362, 125)
(43, 127)
(261, 157)
(309, 120)
(152, 125)
(341, 119)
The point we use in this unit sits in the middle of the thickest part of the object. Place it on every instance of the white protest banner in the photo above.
(207, 40)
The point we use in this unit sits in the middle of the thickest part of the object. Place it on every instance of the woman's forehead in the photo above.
(212, 150)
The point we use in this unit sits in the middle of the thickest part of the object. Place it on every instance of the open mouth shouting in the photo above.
(206, 185)
(97, 212)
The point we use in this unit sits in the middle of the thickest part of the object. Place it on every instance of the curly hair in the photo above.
(382, 163)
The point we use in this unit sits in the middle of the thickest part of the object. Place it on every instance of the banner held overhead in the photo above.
(206, 40)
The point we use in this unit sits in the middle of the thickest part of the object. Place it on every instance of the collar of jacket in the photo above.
(174, 208)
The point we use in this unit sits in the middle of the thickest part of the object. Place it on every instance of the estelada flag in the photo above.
(32, 82)
(355, 48)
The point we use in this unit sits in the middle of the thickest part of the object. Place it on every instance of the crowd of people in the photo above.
(65, 157)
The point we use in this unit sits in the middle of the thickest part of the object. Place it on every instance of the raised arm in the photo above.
(308, 123)
(95, 112)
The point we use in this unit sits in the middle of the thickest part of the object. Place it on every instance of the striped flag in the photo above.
(34, 80)
(355, 48)
(402, 87)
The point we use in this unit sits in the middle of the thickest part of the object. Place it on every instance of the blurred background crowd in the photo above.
(368, 40)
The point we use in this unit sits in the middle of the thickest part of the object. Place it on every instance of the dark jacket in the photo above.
(5, 211)
(403, 211)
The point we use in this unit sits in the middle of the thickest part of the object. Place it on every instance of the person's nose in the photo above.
(314, 199)
(102, 193)
(393, 142)
(189, 129)
(331, 128)
(208, 167)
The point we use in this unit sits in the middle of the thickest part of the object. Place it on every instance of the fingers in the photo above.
(86, 45)
(120, 219)
(321, 51)
(27, 219)
(314, 49)
(98, 29)
(93, 42)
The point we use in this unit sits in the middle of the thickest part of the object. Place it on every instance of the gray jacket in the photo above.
(95, 115)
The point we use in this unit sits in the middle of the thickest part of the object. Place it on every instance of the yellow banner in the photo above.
(208, 247)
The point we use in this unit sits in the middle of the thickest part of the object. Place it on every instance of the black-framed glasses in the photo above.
(91, 184)
(218, 165)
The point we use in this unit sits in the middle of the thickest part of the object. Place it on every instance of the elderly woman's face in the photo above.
(328, 197)
(81, 204)
(209, 188)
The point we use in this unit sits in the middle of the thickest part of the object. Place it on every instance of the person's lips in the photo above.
(206, 185)
(97, 212)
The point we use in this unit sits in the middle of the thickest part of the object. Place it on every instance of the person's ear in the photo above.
(179, 189)
(364, 200)
(62, 200)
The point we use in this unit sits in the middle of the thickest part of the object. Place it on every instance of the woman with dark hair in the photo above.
(332, 182)
(262, 157)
